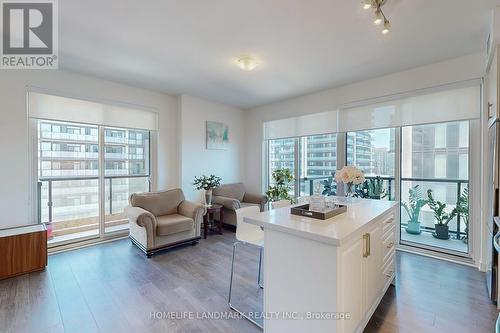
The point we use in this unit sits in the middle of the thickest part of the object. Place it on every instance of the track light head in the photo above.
(378, 19)
(387, 27)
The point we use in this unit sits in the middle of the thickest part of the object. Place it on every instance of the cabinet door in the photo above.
(351, 285)
(372, 267)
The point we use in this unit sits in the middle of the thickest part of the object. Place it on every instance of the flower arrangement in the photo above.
(206, 182)
(350, 175)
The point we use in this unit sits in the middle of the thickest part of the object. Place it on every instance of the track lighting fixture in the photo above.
(379, 16)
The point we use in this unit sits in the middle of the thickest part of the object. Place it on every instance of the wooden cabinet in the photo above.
(334, 270)
(22, 250)
(372, 266)
(366, 269)
(351, 284)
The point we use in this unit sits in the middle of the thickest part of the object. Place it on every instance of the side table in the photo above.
(209, 220)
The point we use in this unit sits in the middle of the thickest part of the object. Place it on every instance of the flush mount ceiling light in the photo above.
(379, 16)
(247, 63)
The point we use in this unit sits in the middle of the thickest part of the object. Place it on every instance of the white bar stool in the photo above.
(250, 234)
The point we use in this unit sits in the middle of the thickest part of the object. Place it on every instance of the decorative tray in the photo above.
(303, 210)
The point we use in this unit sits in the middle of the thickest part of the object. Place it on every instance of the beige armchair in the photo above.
(233, 197)
(160, 220)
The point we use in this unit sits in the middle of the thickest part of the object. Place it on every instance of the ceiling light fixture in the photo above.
(387, 27)
(379, 16)
(367, 4)
(247, 63)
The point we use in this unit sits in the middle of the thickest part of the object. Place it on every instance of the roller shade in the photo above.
(318, 123)
(450, 105)
(51, 107)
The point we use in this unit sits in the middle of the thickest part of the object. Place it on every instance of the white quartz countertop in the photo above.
(335, 231)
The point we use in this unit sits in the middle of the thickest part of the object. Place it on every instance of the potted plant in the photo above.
(463, 210)
(441, 215)
(412, 208)
(372, 189)
(283, 182)
(329, 186)
(207, 183)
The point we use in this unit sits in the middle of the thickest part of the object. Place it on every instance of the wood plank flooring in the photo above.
(113, 288)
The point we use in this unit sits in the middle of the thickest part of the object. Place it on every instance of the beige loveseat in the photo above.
(159, 220)
(233, 197)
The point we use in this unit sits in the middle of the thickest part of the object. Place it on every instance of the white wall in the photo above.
(14, 169)
(196, 160)
(435, 75)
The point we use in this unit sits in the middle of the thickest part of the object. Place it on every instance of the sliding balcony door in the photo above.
(85, 176)
(68, 180)
(126, 171)
(435, 157)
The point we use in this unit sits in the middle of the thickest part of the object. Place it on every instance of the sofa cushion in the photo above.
(172, 224)
(235, 191)
(158, 203)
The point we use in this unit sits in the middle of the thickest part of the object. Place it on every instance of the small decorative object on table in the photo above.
(350, 176)
(317, 202)
(207, 183)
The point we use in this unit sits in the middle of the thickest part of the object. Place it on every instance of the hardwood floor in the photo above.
(113, 288)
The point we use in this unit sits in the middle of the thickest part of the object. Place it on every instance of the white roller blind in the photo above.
(318, 123)
(450, 105)
(51, 107)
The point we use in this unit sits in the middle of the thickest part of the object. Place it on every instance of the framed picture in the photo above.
(217, 135)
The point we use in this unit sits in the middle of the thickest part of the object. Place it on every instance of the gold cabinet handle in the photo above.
(389, 245)
(389, 274)
(389, 221)
(366, 245)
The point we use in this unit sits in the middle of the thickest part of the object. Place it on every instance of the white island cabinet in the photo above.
(326, 275)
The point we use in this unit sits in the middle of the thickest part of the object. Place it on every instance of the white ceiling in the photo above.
(190, 46)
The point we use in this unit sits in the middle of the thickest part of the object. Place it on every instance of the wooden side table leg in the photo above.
(221, 220)
(205, 225)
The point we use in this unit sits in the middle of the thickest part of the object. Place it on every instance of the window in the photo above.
(317, 160)
(311, 159)
(443, 168)
(281, 155)
(69, 177)
(374, 152)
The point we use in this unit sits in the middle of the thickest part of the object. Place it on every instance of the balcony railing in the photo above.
(73, 218)
(460, 184)
(306, 187)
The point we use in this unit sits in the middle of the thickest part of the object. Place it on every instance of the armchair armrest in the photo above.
(259, 199)
(142, 218)
(192, 209)
(228, 203)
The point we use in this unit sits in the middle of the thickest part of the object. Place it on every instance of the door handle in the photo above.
(366, 245)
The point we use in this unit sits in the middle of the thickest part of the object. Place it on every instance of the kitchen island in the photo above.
(326, 275)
